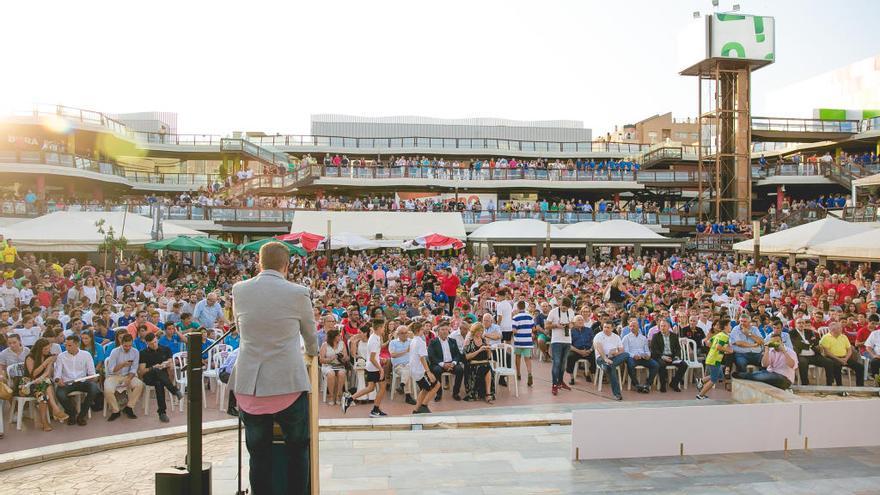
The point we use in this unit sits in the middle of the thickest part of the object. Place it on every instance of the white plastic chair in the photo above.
(396, 378)
(489, 305)
(21, 403)
(600, 375)
(689, 355)
(215, 361)
(581, 363)
(502, 365)
(179, 361)
(639, 367)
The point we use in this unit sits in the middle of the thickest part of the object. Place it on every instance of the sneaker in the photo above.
(129, 413)
(178, 394)
(232, 411)
(71, 420)
(529, 380)
(82, 421)
(702, 397)
(420, 410)
(554, 390)
(409, 400)
(377, 413)
(346, 403)
(114, 416)
(164, 418)
(618, 397)
(564, 386)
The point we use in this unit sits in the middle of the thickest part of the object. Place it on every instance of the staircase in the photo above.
(255, 152)
(846, 173)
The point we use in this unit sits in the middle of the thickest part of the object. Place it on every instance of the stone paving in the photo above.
(472, 461)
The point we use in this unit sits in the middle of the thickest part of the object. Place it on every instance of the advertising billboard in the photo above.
(742, 36)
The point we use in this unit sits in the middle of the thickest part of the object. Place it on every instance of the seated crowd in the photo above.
(71, 333)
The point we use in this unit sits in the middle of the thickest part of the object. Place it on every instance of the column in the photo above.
(780, 197)
(637, 249)
(589, 253)
(40, 186)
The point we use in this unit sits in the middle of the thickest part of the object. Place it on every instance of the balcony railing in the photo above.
(105, 167)
(804, 125)
(503, 174)
(285, 215)
(860, 213)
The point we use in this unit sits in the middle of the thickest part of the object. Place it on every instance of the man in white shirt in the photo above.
(375, 373)
(610, 355)
(74, 372)
(421, 372)
(122, 366)
(560, 321)
(504, 311)
(9, 294)
(14, 354)
(872, 349)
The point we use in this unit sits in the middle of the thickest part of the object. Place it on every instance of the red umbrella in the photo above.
(439, 242)
(307, 240)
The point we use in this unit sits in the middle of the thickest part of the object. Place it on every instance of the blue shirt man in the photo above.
(747, 344)
(208, 312)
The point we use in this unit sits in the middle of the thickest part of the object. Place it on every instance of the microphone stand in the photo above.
(194, 464)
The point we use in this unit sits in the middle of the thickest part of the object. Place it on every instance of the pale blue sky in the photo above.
(261, 65)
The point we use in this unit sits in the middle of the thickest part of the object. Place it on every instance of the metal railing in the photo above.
(504, 174)
(285, 215)
(804, 125)
(258, 152)
(860, 213)
(105, 167)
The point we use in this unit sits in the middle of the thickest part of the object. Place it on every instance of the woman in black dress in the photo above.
(479, 378)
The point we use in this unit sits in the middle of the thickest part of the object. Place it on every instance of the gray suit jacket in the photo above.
(272, 314)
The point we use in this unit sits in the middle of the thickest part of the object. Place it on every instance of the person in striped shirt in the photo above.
(523, 325)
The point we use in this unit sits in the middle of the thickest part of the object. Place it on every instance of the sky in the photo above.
(266, 66)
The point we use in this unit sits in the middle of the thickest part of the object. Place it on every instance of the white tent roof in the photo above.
(871, 180)
(347, 240)
(69, 231)
(391, 225)
(798, 240)
(858, 247)
(610, 229)
(525, 229)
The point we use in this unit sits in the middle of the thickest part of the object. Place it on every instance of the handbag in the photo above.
(5, 391)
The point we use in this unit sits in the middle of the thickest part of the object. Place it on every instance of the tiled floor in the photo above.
(538, 395)
(472, 461)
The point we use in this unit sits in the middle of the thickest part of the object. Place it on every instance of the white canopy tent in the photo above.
(859, 247)
(379, 225)
(69, 231)
(613, 233)
(524, 230)
(799, 240)
(347, 240)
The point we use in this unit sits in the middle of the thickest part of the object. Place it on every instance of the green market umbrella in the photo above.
(218, 242)
(185, 244)
(256, 245)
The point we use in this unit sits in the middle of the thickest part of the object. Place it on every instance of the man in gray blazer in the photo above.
(270, 377)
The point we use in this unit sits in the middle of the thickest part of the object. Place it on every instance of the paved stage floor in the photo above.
(471, 461)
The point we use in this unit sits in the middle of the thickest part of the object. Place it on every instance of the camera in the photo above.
(567, 329)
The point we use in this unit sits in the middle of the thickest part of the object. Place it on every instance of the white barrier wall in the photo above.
(842, 423)
(722, 429)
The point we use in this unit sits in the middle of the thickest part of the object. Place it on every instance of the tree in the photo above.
(110, 244)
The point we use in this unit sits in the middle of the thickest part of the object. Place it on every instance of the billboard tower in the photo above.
(736, 45)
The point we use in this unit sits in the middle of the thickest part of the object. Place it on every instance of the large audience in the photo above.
(75, 336)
